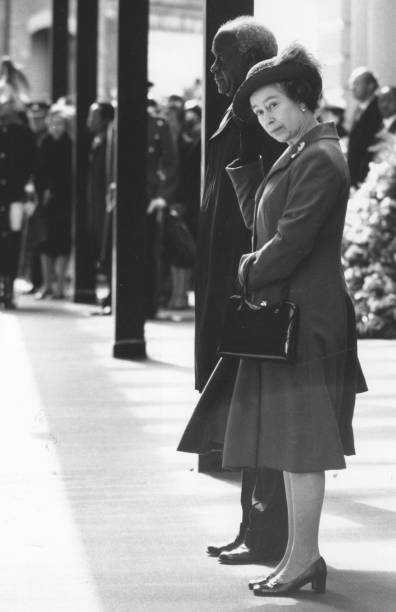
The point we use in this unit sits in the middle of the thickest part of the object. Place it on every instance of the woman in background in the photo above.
(54, 188)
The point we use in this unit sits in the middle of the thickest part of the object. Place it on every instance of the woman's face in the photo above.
(56, 126)
(281, 117)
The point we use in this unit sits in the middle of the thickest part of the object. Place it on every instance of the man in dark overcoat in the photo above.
(37, 113)
(387, 108)
(100, 115)
(162, 178)
(17, 158)
(222, 238)
(367, 121)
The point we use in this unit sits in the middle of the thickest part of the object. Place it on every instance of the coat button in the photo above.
(3, 182)
(4, 234)
(2, 155)
(2, 208)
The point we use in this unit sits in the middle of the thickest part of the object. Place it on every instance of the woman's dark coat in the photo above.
(97, 186)
(296, 418)
(54, 174)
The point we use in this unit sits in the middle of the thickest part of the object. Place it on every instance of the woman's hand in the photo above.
(243, 269)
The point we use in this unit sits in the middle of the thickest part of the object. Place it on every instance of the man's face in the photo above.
(361, 87)
(37, 121)
(229, 67)
(95, 122)
(387, 102)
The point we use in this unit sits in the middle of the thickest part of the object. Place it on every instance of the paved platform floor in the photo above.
(100, 514)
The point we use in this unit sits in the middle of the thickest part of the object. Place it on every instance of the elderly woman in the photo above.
(295, 418)
(54, 187)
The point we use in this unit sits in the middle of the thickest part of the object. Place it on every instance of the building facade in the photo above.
(342, 33)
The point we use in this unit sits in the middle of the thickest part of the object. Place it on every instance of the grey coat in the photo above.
(298, 418)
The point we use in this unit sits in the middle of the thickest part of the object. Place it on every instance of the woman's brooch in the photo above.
(298, 150)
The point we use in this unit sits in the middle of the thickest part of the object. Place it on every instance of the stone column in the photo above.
(130, 212)
(86, 71)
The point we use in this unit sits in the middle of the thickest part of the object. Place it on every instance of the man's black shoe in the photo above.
(243, 555)
(215, 551)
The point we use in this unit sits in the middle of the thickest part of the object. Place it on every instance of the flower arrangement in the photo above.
(369, 249)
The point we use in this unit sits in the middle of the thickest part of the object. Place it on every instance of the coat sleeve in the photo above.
(314, 188)
(246, 180)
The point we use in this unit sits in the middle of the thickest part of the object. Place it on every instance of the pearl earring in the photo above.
(303, 108)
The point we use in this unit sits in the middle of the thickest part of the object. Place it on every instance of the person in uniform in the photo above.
(162, 176)
(37, 114)
(17, 159)
(100, 115)
(100, 122)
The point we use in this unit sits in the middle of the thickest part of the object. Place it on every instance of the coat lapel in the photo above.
(319, 132)
(223, 123)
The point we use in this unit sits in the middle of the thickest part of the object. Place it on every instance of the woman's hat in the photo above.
(289, 65)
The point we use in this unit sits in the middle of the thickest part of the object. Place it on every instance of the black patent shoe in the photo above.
(215, 551)
(242, 555)
(315, 574)
(260, 581)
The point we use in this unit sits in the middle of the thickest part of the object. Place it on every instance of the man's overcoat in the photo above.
(361, 138)
(222, 238)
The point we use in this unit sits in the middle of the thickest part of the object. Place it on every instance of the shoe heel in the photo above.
(319, 583)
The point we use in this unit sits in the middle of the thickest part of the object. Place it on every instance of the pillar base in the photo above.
(130, 349)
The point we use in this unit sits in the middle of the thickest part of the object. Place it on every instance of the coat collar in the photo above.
(322, 131)
(227, 117)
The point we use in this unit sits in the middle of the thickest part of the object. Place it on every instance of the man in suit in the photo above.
(366, 123)
(100, 115)
(387, 108)
(222, 238)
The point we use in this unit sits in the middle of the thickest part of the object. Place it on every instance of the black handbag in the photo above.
(265, 331)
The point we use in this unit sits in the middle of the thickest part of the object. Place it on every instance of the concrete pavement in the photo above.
(100, 514)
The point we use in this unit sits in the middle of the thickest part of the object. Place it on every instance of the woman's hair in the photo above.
(305, 90)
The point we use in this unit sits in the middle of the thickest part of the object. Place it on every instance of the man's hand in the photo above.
(155, 205)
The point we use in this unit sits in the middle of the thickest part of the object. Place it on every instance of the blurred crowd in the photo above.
(36, 185)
